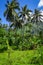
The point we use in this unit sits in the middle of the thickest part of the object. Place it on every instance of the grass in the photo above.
(20, 58)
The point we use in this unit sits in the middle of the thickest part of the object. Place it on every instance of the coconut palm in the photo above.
(25, 12)
(10, 13)
(10, 10)
(37, 16)
(17, 23)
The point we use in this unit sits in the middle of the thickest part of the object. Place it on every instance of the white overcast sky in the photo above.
(40, 3)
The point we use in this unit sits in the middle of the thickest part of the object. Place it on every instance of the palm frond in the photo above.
(5, 12)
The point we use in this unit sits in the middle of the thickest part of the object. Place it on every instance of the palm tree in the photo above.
(10, 14)
(36, 16)
(10, 10)
(25, 12)
(17, 24)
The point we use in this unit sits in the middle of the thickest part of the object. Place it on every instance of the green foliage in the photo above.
(3, 45)
(22, 58)
(19, 35)
(20, 39)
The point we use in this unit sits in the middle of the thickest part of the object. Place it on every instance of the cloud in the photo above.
(40, 3)
(42, 14)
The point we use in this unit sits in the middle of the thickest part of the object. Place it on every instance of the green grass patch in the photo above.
(30, 57)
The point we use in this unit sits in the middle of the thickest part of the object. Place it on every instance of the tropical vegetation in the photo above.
(22, 39)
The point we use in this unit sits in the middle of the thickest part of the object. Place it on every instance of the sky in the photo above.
(32, 4)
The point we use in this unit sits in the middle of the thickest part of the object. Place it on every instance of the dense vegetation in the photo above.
(24, 32)
(20, 39)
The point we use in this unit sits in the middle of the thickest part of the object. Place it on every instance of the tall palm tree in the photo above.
(17, 23)
(10, 10)
(36, 16)
(10, 13)
(25, 12)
